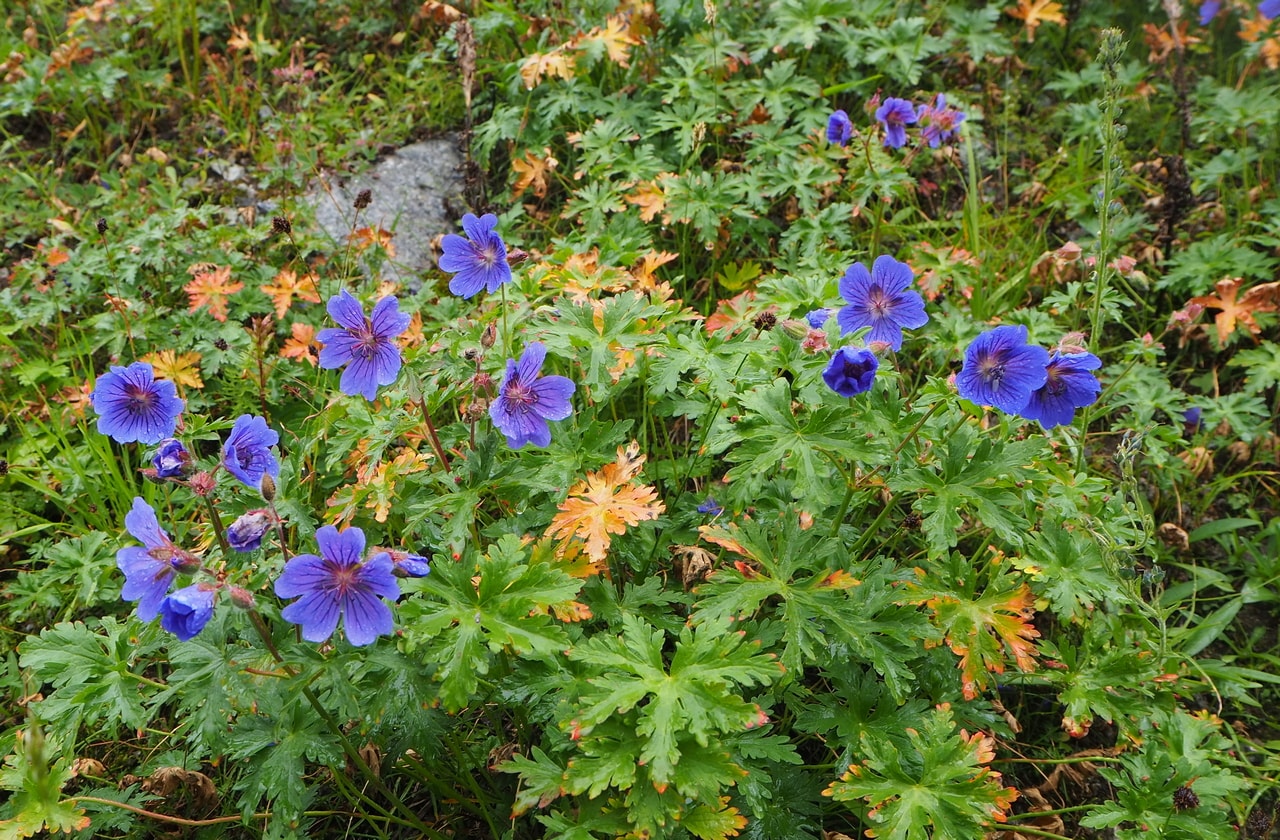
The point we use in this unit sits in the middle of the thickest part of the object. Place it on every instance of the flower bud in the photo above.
(246, 533)
(202, 483)
(268, 487)
(172, 460)
(241, 598)
(184, 562)
(408, 564)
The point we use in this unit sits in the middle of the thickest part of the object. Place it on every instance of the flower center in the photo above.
(519, 396)
(992, 370)
(367, 342)
(1056, 386)
(488, 255)
(878, 302)
(342, 577)
(139, 400)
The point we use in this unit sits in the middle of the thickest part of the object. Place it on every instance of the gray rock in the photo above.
(409, 191)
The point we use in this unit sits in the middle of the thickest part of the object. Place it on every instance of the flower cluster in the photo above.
(938, 121)
(1001, 369)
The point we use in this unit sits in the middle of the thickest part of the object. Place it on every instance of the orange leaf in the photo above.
(616, 39)
(302, 345)
(180, 370)
(648, 196)
(211, 286)
(366, 237)
(606, 504)
(1235, 311)
(533, 172)
(555, 64)
(286, 285)
(979, 631)
(1035, 12)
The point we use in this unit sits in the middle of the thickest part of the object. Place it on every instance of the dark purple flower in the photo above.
(364, 345)
(1191, 419)
(187, 611)
(247, 452)
(246, 533)
(133, 405)
(881, 299)
(1209, 10)
(1001, 369)
(940, 122)
(852, 371)
(527, 401)
(895, 115)
(172, 460)
(149, 569)
(839, 128)
(710, 507)
(1269, 9)
(477, 262)
(337, 583)
(1069, 384)
(818, 318)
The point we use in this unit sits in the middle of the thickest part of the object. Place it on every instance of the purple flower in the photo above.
(246, 533)
(940, 121)
(172, 460)
(1191, 419)
(839, 128)
(852, 371)
(247, 452)
(478, 262)
(895, 115)
(710, 507)
(364, 345)
(1209, 10)
(881, 299)
(527, 401)
(133, 405)
(337, 583)
(1001, 369)
(1069, 384)
(407, 564)
(187, 611)
(818, 318)
(1269, 9)
(149, 569)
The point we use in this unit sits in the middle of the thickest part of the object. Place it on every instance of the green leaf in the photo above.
(461, 622)
(939, 785)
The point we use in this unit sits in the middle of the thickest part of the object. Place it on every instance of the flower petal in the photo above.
(346, 310)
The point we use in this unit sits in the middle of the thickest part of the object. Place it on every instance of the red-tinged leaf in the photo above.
(211, 286)
(981, 631)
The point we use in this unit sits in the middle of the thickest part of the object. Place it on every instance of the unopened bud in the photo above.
(489, 336)
(184, 562)
(202, 483)
(482, 381)
(241, 598)
(268, 487)
(477, 410)
(246, 533)
(795, 328)
(516, 256)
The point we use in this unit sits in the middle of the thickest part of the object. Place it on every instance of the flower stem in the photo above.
(435, 438)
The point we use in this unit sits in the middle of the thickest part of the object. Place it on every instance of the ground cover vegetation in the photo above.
(829, 418)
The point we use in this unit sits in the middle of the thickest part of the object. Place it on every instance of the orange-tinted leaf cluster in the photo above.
(182, 370)
(1032, 13)
(605, 504)
(287, 285)
(1235, 310)
(211, 286)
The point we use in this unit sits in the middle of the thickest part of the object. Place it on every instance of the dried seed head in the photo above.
(471, 354)
(4, 467)
(281, 225)
(1258, 826)
(1184, 798)
(363, 199)
(765, 321)
(220, 343)
(477, 410)
(202, 483)
(102, 226)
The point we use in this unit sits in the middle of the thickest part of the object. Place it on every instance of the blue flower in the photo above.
(895, 115)
(149, 569)
(710, 507)
(407, 564)
(478, 262)
(187, 611)
(852, 371)
(940, 122)
(1209, 10)
(839, 128)
(1069, 384)
(172, 460)
(247, 452)
(526, 401)
(1191, 419)
(133, 405)
(881, 299)
(246, 533)
(1269, 9)
(817, 319)
(1001, 369)
(364, 345)
(337, 583)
